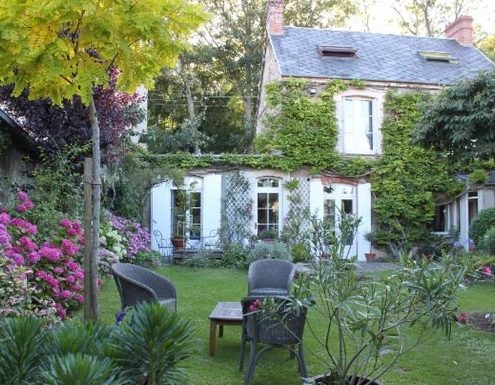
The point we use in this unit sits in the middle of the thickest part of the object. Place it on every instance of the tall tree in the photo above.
(428, 17)
(232, 45)
(459, 122)
(58, 49)
(69, 124)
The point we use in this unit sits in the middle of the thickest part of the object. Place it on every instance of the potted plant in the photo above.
(364, 321)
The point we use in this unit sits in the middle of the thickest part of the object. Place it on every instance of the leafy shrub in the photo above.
(301, 253)
(235, 255)
(127, 239)
(22, 350)
(269, 250)
(53, 268)
(481, 224)
(151, 344)
(147, 348)
(487, 243)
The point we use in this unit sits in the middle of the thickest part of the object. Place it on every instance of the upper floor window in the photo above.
(359, 133)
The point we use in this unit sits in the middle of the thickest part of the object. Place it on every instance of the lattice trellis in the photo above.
(236, 208)
(297, 219)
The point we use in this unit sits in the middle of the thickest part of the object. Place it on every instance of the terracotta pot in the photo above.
(179, 243)
(370, 257)
(325, 380)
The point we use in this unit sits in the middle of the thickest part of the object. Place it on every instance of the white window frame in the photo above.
(269, 190)
(377, 98)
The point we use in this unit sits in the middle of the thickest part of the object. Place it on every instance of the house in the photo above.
(261, 200)
(15, 145)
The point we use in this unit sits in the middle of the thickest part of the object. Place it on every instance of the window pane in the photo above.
(273, 201)
(358, 125)
(262, 216)
(195, 199)
(262, 200)
(268, 182)
(347, 206)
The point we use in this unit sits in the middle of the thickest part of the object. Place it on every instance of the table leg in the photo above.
(213, 329)
(220, 331)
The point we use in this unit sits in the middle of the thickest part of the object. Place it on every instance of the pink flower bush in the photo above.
(55, 273)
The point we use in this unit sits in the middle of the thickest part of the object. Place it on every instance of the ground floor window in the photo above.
(186, 214)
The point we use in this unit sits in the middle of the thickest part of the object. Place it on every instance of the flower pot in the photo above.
(326, 380)
(370, 257)
(179, 243)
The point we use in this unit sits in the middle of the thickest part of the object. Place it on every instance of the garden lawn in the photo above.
(468, 358)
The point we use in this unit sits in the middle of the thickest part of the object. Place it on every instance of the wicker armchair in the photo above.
(282, 331)
(270, 277)
(137, 284)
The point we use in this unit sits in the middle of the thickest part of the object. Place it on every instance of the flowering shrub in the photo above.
(45, 270)
(135, 239)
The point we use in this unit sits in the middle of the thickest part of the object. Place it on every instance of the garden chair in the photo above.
(137, 284)
(282, 330)
(270, 277)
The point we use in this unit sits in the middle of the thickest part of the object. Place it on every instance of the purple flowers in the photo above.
(138, 239)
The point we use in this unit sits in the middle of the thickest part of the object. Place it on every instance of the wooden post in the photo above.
(90, 294)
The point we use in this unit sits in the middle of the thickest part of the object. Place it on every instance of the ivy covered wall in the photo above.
(302, 131)
(407, 177)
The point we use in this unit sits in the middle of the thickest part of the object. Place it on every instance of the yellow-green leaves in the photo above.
(58, 48)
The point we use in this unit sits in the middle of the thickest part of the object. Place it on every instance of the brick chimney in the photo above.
(461, 30)
(275, 18)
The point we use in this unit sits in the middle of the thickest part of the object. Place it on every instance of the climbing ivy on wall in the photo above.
(407, 176)
(302, 128)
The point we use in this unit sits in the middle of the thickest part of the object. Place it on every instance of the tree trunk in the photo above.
(248, 123)
(190, 101)
(91, 283)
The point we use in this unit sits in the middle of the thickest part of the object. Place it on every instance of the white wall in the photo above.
(161, 211)
(364, 211)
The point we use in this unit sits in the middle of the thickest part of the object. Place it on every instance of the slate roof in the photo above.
(381, 57)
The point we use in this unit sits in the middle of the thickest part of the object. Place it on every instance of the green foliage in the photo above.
(22, 350)
(302, 128)
(128, 185)
(480, 225)
(57, 190)
(269, 250)
(459, 121)
(406, 177)
(61, 49)
(80, 369)
(488, 242)
(151, 343)
(478, 176)
(367, 319)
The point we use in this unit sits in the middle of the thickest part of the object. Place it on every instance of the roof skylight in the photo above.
(337, 51)
(438, 56)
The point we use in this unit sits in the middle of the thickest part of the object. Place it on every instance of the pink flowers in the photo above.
(486, 270)
(55, 275)
(50, 252)
(255, 305)
(25, 203)
(462, 318)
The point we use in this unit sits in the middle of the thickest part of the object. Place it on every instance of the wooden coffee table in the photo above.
(225, 313)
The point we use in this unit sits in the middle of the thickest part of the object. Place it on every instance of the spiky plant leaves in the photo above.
(152, 343)
(84, 338)
(80, 369)
(21, 350)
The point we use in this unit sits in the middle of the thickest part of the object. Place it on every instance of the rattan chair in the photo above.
(270, 277)
(284, 330)
(137, 284)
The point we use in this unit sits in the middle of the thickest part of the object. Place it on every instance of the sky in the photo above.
(385, 20)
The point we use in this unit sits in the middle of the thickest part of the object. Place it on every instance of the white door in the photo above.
(340, 200)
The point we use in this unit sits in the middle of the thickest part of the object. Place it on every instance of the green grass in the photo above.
(468, 358)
